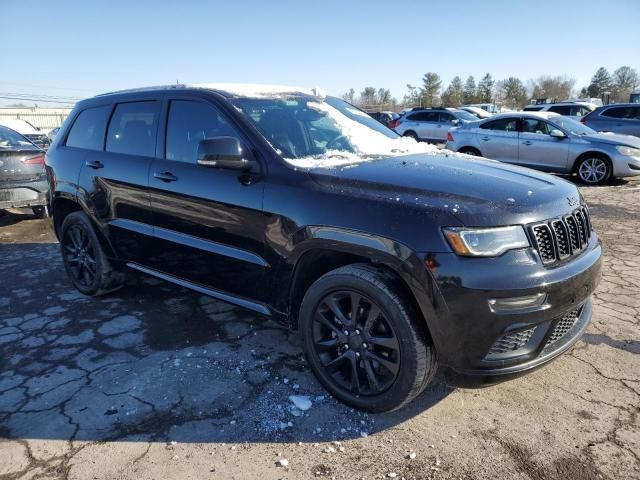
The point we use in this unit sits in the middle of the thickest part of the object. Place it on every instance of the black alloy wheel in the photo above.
(355, 342)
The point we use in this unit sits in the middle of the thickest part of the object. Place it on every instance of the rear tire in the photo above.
(470, 151)
(379, 358)
(411, 134)
(91, 272)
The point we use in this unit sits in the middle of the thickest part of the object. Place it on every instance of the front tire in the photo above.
(91, 272)
(363, 339)
(594, 170)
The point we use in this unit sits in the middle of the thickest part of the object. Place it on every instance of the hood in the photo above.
(612, 138)
(478, 192)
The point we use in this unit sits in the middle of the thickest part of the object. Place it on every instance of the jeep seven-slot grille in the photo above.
(561, 238)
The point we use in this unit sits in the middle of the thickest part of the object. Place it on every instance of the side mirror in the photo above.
(223, 152)
(555, 133)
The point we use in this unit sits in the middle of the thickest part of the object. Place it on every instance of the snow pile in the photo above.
(256, 90)
(365, 141)
(302, 402)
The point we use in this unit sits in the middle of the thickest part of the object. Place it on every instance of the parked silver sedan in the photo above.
(550, 142)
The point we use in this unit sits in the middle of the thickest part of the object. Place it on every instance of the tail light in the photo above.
(449, 137)
(395, 123)
(37, 160)
(584, 119)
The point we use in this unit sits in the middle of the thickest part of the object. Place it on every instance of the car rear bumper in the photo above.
(20, 195)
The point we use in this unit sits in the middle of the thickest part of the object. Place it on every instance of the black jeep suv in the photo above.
(388, 255)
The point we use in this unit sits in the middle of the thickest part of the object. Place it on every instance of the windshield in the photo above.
(569, 124)
(462, 115)
(320, 132)
(11, 139)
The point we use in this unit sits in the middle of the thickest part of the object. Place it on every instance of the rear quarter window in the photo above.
(88, 129)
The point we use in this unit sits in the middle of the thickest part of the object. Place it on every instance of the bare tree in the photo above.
(625, 80)
(553, 88)
(350, 96)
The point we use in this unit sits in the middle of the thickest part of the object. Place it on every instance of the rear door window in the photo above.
(446, 117)
(133, 127)
(88, 129)
(423, 117)
(561, 109)
(630, 113)
(504, 124)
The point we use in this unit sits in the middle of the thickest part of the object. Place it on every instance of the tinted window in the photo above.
(533, 125)
(88, 129)
(622, 112)
(506, 124)
(532, 109)
(561, 109)
(423, 117)
(446, 117)
(132, 129)
(188, 123)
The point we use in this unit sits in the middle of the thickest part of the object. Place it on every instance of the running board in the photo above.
(225, 297)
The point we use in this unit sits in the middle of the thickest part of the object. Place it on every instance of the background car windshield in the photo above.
(569, 124)
(304, 126)
(462, 115)
(11, 139)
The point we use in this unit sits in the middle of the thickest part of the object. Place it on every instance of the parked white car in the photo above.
(477, 111)
(569, 109)
(25, 129)
(550, 142)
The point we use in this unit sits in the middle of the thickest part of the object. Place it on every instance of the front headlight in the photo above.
(628, 151)
(485, 242)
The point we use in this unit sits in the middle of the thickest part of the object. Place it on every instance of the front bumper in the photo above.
(466, 330)
(625, 166)
(30, 194)
(473, 378)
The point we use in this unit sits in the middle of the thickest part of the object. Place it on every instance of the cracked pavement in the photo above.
(155, 381)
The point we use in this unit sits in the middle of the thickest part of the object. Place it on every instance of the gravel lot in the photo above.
(156, 382)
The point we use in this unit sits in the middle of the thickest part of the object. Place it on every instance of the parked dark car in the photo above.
(621, 118)
(384, 117)
(300, 208)
(23, 181)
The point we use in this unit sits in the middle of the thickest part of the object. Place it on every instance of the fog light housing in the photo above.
(519, 304)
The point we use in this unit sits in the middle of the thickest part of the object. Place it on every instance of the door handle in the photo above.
(528, 142)
(486, 139)
(165, 176)
(95, 164)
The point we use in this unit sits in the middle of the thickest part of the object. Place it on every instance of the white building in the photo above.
(44, 118)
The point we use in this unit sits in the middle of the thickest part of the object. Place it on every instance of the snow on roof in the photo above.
(259, 90)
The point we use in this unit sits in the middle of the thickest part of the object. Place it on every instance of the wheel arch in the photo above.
(326, 248)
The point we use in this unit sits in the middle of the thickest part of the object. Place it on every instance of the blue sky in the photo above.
(81, 48)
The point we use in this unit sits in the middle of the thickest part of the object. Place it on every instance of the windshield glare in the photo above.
(464, 115)
(569, 124)
(11, 139)
(309, 131)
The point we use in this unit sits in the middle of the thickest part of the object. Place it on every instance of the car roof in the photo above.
(229, 89)
(540, 115)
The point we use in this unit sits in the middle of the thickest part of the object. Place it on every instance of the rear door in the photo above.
(209, 223)
(445, 122)
(540, 150)
(498, 139)
(114, 176)
(623, 119)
